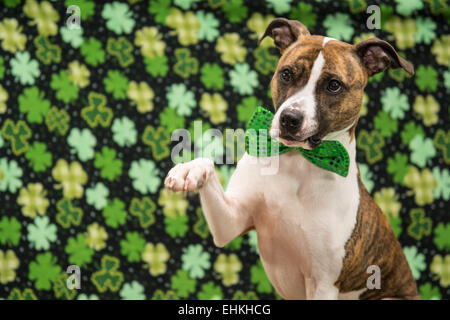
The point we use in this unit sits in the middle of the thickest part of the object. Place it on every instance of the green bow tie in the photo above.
(330, 155)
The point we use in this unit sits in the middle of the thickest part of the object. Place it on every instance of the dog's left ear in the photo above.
(284, 32)
(378, 55)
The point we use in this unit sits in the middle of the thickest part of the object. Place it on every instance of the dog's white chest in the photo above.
(307, 218)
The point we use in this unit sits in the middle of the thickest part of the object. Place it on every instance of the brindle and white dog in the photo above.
(318, 232)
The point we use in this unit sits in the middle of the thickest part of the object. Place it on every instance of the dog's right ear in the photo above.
(284, 32)
(378, 55)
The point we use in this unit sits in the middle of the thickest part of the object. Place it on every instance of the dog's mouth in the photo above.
(292, 141)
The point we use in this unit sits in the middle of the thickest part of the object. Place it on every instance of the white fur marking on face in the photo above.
(305, 101)
(325, 40)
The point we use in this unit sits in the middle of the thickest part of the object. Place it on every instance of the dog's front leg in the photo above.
(225, 213)
(320, 290)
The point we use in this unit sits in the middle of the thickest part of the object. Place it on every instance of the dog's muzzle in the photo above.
(290, 122)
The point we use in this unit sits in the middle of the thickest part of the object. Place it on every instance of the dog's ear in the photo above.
(378, 55)
(284, 32)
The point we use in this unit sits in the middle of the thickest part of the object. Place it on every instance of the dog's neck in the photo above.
(347, 139)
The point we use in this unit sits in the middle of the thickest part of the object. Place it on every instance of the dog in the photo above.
(319, 234)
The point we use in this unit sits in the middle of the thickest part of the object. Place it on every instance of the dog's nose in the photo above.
(291, 120)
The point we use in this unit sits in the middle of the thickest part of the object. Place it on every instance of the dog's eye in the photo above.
(334, 86)
(286, 76)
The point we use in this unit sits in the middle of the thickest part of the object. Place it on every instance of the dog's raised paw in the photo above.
(189, 176)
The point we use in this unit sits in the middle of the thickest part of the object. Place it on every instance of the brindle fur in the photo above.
(374, 243)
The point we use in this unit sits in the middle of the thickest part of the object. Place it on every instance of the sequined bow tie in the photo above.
(329, 155)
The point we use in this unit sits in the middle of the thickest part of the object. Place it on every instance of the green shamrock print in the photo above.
(114, 213)
(110, 167)
(78, 251)
(133, 246)
(108, 277)
(44, 271)
(372, 143)
(68, 214)
(195, 260)
(10, 231)
(420, 225)
(38, 156)
(92, 51)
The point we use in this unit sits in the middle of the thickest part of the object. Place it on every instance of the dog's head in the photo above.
(318, 85)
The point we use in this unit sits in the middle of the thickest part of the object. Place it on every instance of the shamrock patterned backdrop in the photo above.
(86, 116)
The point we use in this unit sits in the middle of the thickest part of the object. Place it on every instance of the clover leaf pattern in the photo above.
(86, 117)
